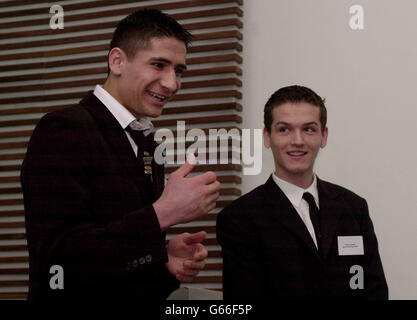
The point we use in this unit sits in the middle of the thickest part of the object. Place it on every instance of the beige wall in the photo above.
(369, 78)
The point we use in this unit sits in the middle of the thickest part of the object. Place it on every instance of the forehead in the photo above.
(296, 113)
(164, 47)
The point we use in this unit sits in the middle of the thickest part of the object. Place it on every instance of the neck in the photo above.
(303, 180)
(111, 86)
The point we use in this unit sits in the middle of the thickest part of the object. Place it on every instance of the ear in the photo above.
(116, 61)
(324, 138)
(267, 139)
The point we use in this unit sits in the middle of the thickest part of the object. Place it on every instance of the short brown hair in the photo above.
(294, 94)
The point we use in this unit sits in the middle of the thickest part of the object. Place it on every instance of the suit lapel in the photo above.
(115, 136)
(287, 216)
(331, 211)
(158, 175)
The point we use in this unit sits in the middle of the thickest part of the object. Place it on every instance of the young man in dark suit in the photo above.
(297, 236)
(95, 205)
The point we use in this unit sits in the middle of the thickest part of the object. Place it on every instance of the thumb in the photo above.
(188, 166)
(195, 237)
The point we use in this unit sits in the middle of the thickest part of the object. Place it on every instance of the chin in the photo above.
(298, 171)
(154, 112)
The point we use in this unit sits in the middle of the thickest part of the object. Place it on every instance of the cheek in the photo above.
(282, 142)
(316, 148)
(313, 142)
(278, 146)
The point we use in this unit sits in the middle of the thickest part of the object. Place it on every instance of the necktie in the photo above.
(314, 216)
(144, 157)
(143, 143)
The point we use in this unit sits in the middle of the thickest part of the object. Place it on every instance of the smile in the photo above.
(296, 153)
(157, 96)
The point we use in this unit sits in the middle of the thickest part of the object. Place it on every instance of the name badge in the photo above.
(350, 245)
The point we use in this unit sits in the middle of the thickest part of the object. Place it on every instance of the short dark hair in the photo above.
(136, 30)
(294, 94)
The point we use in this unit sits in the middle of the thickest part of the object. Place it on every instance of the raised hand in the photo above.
(185, 199)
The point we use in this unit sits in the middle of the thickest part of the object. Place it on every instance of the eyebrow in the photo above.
(304, 124)
(160, 59)
(311, 123)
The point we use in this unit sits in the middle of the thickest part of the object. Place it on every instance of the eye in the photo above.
(179, 72)
(158, 65)
(310, 129)
(283, 129)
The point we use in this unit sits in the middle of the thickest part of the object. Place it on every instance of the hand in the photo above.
(185, 199)
(186, 255)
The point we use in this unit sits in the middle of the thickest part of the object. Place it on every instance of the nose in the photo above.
(170, 81)
(297, 138)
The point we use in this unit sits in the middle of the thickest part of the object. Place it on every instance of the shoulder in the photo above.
(68, 128)
(337, 190)
(237, 217)
(71, 121)
(246, 203)
(74, 116)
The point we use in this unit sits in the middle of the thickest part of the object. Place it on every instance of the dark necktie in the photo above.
(314, 216)
(143, 143)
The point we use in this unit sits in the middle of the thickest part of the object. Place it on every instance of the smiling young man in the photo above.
(297, 236)
(95, 202)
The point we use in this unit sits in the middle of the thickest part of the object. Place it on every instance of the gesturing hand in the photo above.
(186, 255)
(185, 199)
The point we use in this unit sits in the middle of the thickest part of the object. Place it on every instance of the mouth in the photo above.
(297, 154)
(157, 96)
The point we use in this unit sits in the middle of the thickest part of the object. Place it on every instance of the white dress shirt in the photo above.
(295, 195)
(122, 115)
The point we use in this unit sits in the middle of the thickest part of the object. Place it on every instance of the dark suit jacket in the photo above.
(268, 252)
(88, 210)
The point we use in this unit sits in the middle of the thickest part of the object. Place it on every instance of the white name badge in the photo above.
(350, 245)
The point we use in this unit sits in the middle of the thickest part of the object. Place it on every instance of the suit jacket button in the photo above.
(142, 260)
(135, 263)
(148, 258)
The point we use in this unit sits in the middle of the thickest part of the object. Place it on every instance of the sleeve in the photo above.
(244, 274)
(61, 222)
(375, 284)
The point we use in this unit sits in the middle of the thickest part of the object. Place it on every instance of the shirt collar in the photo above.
(122, 115)
(295, 193)
(142, 124)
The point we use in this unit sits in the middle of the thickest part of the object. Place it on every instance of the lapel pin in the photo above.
(147, 161)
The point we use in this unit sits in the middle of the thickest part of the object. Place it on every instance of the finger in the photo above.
(205, 178)
(187, 167)
(188, 272)
(191, 265)
(194, 237)
(209, 203)
(213, 187)
(191, 158)
(212, 198)
(208, 206)
(201, 253)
